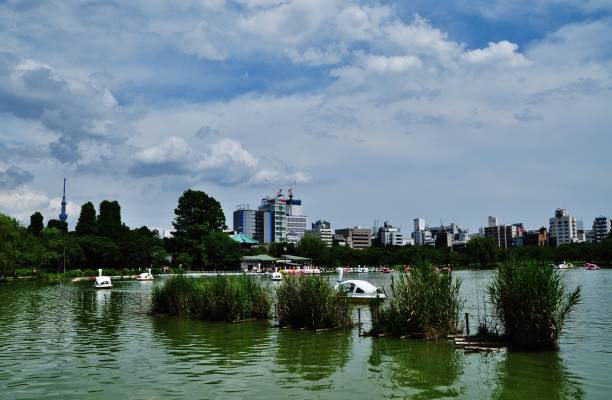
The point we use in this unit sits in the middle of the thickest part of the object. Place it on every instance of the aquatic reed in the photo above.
(532, 303)
(311, 302)
(423, 302)
(219, 298)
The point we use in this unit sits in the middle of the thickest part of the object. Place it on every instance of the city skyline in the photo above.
(371, 110)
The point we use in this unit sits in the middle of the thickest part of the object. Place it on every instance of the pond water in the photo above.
(71, 342)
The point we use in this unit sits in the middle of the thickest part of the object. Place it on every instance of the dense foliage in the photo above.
(423, 302)
(311, 302)
(219, 298)
(196, 217)
(532, 303)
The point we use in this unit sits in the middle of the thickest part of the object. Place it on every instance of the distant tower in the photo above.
(63, 216)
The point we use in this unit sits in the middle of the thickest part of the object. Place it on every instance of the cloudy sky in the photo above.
(447, 110)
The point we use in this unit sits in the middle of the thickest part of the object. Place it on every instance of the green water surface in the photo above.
(72, 342)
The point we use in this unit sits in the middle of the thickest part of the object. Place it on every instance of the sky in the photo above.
(370, 110)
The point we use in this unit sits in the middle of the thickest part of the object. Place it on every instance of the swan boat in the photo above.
(358, 291)
(102, 282)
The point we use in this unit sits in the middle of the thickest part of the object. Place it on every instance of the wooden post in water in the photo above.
(467, 324)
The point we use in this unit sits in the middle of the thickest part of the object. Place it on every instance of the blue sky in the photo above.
(449, 110)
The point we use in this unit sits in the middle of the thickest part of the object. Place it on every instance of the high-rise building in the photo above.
(536, 238)
(271, 220)
(63, 216)
(563, 228)
(419, 228)
(601, 229)
(389, 235)
(493, 221)
(244, 220)
(321, 225)
(322, 230)
(296, 221)
(356, 238)
(443, 238)
(502, 234)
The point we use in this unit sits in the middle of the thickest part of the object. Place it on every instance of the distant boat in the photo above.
(277, 276)
(361, 269)
(386, 270)
(145, 276)
(102, 282)
(358, 291)
(444, 269)
(563, 265)
(591, 266)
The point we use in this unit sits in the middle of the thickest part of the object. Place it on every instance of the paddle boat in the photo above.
(591, 266)
(145, 276)
(361, 269)
(358, 291)
(277, 276)
(563, 265)
(447, 268)
(102, 282)
(386, 270)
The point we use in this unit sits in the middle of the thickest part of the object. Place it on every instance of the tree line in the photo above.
(101, 240)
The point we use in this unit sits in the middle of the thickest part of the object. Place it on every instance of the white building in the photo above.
(419, 228)
(296, 221)
(563, 228)
(388, 235)
(493, 221)
(326, 235)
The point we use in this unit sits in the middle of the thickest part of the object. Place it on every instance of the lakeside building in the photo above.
(536, 237)
(389, 235)
(271, 220)
(322, 230)
(493, 221)
(356, 237)
(244, 220)
(296, 220)
(502, 234)
(563, 228)
(601, 229)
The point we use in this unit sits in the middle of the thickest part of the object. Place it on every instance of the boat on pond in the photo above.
(358, 291)
(386, 270)
(277, 276)
(102, 282)
(591, 266)
(563, 265)
(145, 276)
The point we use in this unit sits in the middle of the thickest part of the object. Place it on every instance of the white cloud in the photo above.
(393, 64)
(22, 202)
(503, 53)
(173, 149)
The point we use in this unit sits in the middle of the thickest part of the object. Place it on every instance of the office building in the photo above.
(563, 228)
(326, 235)
(356, 238)
(271, 220)
(296, 221)
(601, 229)
(389, 235)
(418, 234)
(493, 221)
(244, 220)
(502, 234)
(536, 238)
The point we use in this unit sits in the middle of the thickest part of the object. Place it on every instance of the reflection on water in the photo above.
(427, 370)
(535, 376)
(72, 342)
(312, 356)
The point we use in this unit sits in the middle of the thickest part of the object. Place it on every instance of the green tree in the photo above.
(10, 235)
(61, 226)
(221, 252)
(196, 216)
(483, 251)
(86, 225)
(109, 219)
(312, 247)
(36, 223)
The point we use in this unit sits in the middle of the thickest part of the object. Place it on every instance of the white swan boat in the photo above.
(564, 265)
(277, 276)
(102, 282)
(145, 276)
(358, 291)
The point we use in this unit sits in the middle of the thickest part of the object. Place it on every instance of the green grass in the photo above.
(532, 303)
(312, 302)
(220, 298)
(423, 302)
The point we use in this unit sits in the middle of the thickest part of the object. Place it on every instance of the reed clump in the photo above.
(532, 304)
(219, 298)
(311, 302)
(423, 303)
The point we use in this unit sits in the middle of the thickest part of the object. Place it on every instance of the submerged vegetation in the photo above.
(423, 302)
(219, 298)
(312, 302)
(532, 304)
